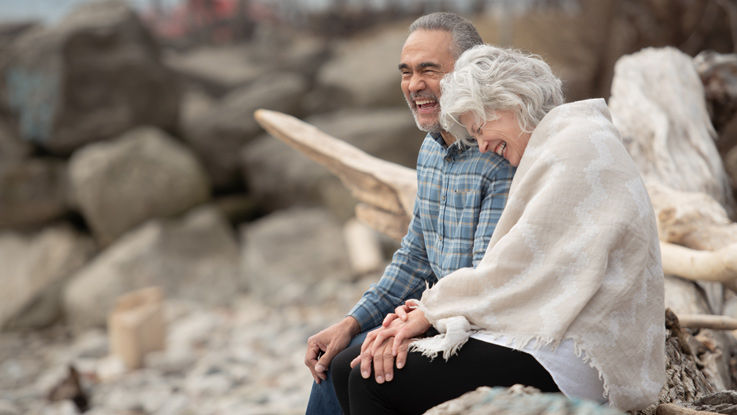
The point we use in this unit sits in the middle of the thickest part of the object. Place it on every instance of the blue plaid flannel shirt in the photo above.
(461, 193)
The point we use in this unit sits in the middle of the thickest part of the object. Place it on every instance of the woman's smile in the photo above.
(501, 135)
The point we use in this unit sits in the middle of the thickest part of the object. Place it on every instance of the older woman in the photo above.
(569, 295)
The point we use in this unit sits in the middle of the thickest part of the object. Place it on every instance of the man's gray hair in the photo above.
(463, 32)
(488, 79)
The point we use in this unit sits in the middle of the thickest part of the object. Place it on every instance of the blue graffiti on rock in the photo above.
(33, 95)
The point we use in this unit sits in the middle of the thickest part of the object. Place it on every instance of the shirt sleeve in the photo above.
(404, 278)
(492, 205)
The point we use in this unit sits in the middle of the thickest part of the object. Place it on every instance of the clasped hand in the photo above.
(390, 342)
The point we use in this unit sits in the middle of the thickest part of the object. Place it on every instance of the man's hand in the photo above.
(323, 346)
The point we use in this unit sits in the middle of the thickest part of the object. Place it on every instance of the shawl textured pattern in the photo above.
(575, 255)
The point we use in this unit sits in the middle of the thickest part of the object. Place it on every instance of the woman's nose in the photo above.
(483, 146)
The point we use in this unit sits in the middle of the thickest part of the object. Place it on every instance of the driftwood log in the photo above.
(385, 191)
(658, 104)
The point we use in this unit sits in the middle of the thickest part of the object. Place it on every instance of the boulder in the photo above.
(280, 176)
(363, 70)
(218, 134)
(220, 69)
(94, 75)
(11, 146)
(34, 267)
(288, 254)
(32, 192)
(217, 69)
(141, 175)
(194, 257)
(519, 400)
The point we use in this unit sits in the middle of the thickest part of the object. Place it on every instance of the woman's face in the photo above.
(502, 136)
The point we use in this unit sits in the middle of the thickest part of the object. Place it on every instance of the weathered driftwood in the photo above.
(386, 189)
(707, 321)
(658, 105)
(691, 219)
(717, 266)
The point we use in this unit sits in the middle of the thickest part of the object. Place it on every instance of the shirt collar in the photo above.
(457, 147)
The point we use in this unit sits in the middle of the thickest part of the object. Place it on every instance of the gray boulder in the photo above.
(363, 71)
(34, 267)
(217, 69)
(288, 254)
(519, 400)
(141, 175)
(94, 75)
(218, 134)
(32, 192)
(194, 258)
(11, 146)
(281, 176)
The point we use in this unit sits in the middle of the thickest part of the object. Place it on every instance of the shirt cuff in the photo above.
(363, 316)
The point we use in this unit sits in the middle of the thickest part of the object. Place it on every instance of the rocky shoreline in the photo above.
(247, 357)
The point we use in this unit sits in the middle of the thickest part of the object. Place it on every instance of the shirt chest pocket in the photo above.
(463, 198)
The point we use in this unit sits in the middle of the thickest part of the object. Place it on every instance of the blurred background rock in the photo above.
(129, 157)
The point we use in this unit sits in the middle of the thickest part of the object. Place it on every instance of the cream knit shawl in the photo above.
(575, 255)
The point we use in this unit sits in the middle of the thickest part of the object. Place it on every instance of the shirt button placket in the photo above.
(443, 196)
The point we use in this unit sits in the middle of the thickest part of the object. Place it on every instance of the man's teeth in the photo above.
(421, 102)
(500, 148)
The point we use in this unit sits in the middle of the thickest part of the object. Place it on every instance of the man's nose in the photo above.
(416, 83)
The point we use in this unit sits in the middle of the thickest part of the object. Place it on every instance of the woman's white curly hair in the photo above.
(488, 79)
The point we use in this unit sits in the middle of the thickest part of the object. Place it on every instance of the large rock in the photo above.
(218, 134)
(280, 176)
(141, 175)
(225, 68)
(33, 269)
(518, 400)
(193, 258)
(93, 76)
(32, 192)
(364, 69)
(11, 146)
(217, 69)
(286, 255)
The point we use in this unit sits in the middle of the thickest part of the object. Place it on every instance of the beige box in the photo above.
(136, 326)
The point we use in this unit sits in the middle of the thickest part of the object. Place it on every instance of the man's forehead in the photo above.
(427, 47)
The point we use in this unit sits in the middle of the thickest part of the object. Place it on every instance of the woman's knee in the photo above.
(340, 366)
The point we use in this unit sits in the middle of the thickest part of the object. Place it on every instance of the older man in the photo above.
(460, 196)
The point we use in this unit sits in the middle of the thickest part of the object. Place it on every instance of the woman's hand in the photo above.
(400, 312)
(388, 342)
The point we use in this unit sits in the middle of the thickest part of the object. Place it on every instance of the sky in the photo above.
(51, 10)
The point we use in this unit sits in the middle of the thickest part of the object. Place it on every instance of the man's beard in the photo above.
(432, 128)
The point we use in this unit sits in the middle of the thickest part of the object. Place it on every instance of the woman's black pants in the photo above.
(424, 383)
